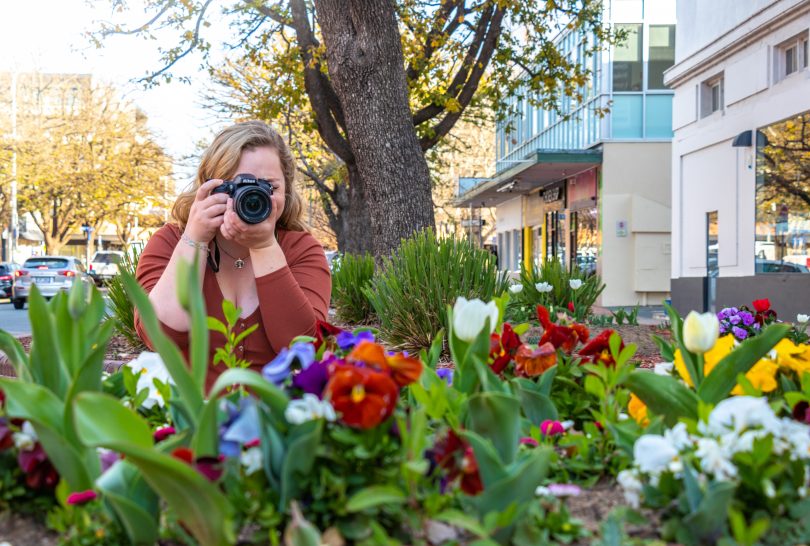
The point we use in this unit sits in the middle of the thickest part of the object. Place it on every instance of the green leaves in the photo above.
(351, 275)
(376, 495)
(496, 416)
(664, 396)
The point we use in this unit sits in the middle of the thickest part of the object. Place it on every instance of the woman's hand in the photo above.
(251, 236)
(207, 213)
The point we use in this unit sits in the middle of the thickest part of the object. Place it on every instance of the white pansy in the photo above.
(516, 288)
(544, 287)
(308, 408)
(714, 460)
(469, 317)
(700, 331)
(679, 437)
(575, 284)
(632, 487)
(26, 439)
(797, 437)
(802, 318)
(663, 368)
(251, 459)
(148, 367)
(654, 454)
(742, 412)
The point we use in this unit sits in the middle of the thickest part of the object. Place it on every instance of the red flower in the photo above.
(598, 350)
(528, 441)
(82, 497)
(6, 435)
(163, 433)
(403, 369)
(551, 428)
(210, 467)
(255, 442)
(323, 330)
(457, 457)
(561, 337)
(533, 362)
(571, 306)
(38, 470)
(364, 397)
(761, 305)
(503, 348)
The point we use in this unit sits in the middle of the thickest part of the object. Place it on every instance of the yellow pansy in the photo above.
(762, 375)
(638, 410)
(792, 356)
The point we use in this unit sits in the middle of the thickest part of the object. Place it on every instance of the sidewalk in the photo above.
(651, 315)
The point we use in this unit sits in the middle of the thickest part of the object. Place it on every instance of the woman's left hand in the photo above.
(250, 236)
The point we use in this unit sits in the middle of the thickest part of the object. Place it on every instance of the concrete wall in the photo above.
(635, 190)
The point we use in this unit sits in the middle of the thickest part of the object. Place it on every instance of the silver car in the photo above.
(50, 273)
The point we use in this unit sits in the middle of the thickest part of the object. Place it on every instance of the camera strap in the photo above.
(213, 262)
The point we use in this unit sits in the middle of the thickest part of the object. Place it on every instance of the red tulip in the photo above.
(762, 305)
(363, 396)
(571, 306)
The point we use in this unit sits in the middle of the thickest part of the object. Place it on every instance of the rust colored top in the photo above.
(291, 299)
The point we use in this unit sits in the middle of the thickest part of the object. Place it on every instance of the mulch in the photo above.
(20, 530)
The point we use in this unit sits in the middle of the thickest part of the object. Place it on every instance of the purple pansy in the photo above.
(241, 427)
(747, 318)
(446, 374)
(277, 370)
(735, 320)
(347, 340)
(739, 333)
(313, 378)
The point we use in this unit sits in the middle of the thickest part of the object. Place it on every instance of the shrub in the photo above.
(122, 311)
(412, 290)
(561, 295)
(351, 275)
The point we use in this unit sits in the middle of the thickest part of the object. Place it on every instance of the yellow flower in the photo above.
(638, 410)
(723, 347)
(792, 356)
(762, 375)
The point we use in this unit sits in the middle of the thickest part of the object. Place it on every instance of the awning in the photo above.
(540, 168)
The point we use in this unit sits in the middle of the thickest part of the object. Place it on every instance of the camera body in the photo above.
(251, 197)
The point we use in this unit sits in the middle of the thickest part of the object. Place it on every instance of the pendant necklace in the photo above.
(238, 263)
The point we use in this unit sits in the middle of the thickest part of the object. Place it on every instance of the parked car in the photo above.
(104, 265)
(50, 273)
(8, 273)
(775, 266)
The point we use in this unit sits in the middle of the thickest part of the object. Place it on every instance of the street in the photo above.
(14, 321)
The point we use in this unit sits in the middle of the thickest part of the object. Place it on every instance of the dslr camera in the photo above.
(251, 197)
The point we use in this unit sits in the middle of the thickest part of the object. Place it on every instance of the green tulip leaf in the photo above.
(132, 500)
(101, 418)
(376, 495)
(664, 396)
(496, 416)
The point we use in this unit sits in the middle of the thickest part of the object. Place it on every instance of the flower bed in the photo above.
(339, 440)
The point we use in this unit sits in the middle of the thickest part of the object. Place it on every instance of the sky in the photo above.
(49, 36)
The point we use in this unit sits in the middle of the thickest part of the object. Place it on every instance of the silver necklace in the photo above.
(238, 263)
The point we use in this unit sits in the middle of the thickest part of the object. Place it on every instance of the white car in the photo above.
(51, 274)
(104, 265)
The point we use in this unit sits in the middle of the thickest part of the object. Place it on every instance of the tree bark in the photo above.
(366, 68)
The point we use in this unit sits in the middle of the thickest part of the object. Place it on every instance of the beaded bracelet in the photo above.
(199, 246)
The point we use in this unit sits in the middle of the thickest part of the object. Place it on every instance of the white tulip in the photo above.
(544, 287)
(516, 288)
(148, 367)
(653, 454)
(802, 319)
(575, 284)
(469, 317)
(700, 331)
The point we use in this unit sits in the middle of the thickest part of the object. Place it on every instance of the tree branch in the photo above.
(437, 29)
(322, 97)
(431, 111)
(169, 4)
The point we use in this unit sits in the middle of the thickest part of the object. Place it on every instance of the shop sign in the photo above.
(552, 194)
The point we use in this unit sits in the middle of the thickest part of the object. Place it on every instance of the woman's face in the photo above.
(263, 162)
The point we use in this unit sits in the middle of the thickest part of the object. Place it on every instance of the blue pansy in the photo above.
(446, 374)
(347, 340)
(277, 370)
(241, 427)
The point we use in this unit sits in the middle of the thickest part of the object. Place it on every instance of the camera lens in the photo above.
(253, 205)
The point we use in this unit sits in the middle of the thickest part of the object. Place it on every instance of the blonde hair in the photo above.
(221, 160)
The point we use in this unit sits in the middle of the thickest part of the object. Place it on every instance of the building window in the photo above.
(711, 96)
(791, 56)
(627, 63)
(783, 197)
(662, 54)
(658, 121)
(626, 116)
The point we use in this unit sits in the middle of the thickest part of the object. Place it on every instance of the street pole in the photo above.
(12, 245)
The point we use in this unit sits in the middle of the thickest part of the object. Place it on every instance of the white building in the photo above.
(589, 191)
(741, 154)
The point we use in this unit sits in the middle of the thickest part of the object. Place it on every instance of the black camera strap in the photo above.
(213, 262)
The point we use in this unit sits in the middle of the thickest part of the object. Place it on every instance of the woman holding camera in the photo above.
(273, 270)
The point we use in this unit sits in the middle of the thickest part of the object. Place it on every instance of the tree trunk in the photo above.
(366, 68)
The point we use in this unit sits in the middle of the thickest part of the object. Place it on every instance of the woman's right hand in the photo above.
(207, 213)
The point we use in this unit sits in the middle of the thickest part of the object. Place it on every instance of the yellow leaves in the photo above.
(452, 105)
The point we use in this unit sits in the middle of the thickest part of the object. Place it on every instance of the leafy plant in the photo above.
(122, 311)
(350, 277)
(562, 296)
(411, 292)
(227, 353)
(623, 316)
